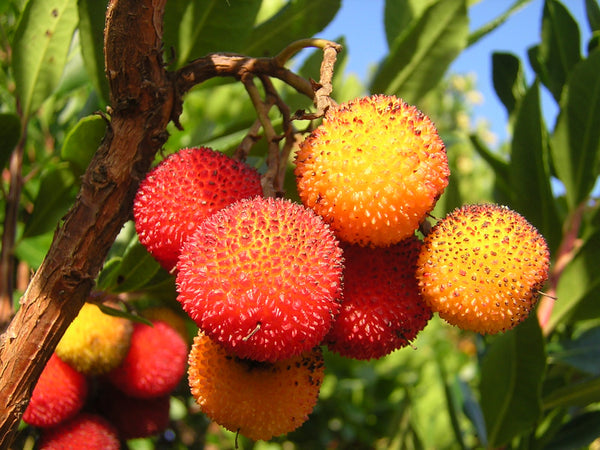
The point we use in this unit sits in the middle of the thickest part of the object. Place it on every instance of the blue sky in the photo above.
(361, 22)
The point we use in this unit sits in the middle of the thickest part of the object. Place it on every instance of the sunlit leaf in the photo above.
(399, 14)
(487, 28)
(419, 58)
(40, 49)
(511, 380)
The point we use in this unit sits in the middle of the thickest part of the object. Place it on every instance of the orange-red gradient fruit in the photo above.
(260, 400)
(84, 432)
(382, 309)
(59, 394)
(373, 169)
(482, 267)
(183, 190)
(263, 278)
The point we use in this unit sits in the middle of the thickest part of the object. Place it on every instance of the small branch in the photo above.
(293, 48)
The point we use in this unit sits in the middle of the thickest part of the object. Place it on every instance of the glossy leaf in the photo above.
(91, 31)
(298, 19)
(137, 268)
(196, 28)
(10, 133)
(529, 170)
(82, 141)
(55, 196)
(576, 139)
(511, 381)
(559, 50)
(419, 58)
(40, 49)
(509, 80)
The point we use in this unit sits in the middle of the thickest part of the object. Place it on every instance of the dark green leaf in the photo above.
(91, 31)
(40, 49)
(509, 80)
(55, 196)
(529, 170)
(419, 58)
(578, 433)
(576, 140)
(574, 394)
(82, 142)
(137, 268)
(107, 279)
(124, 314)
(496, 22)
(298, 19)
(196, 28)
(559, 50)
(10, 132)
(582, 353)
(500, 167)
(511, 382)
(592, 11)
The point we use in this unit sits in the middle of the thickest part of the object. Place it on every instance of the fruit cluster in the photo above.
(108, 380)
(270, 281)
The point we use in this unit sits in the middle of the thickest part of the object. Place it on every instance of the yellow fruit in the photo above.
(373, 170)
(482, 267)
(95, 343)
(259, 400)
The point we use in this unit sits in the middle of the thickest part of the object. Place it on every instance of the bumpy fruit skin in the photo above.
(482, 267)
(83, 432)
(263, 278)
(181, 192)
(154, 364)
(260, 400)
(59, 394)
(95, 343)
(382, 309)
(373, 169)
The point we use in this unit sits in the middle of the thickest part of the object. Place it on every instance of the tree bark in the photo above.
(142, 99)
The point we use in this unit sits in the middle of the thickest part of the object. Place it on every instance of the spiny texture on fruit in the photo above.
(95, 342)
(59, 394)
(134, 417)
(382, 309)
(181, 192)
(154, 364)
(481, 268)
(259, 399)
(263, 278)
(84, 432)
(373, 169)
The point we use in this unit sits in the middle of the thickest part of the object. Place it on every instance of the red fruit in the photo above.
(155, 363)
(83, 432)
(181, 192)
(382, 309)
(59, 394)
(263, 278)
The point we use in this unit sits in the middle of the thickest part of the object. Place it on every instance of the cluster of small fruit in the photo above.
(269, 281)
(108, 380)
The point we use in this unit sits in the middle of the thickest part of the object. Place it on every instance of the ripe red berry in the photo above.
(181, 192)
(155, 362)
(83, 432)
(263, 278)
(382, 309)
(59, 394)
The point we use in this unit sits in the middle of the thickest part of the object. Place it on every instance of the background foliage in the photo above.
(537, 386)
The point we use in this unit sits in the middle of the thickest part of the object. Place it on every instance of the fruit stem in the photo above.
(289, 51)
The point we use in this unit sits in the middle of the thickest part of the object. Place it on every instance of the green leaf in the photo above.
(582, 353)
(529, 170)
(576, 140)
(509, 80)
(484, 30)
(579, 279)
(592, 11)
(559, 50)
(298, 19)
(33, 250)
(82, 141)
(576, 434)
(10, 133)
(399, 14)
(196, 28)
(499, 166)
(574, 394)
(419, 58)
(55, 196)
(92, 14)
(511, 382)
(124, 314)
(136, 269)
(40, 47)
